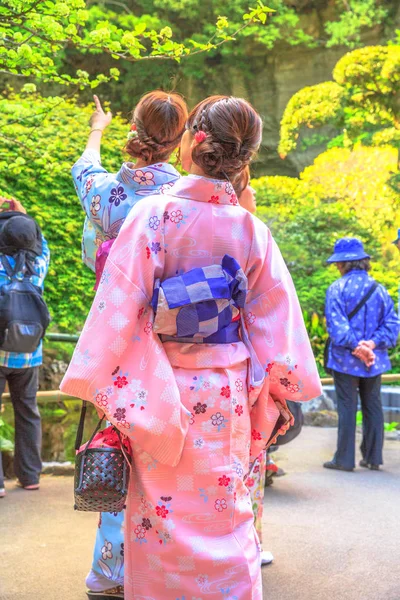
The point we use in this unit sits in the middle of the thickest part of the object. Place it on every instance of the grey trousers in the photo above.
(23, 385)
(347, 388)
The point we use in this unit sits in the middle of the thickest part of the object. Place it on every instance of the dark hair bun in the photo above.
(233, 135)
(160, 120)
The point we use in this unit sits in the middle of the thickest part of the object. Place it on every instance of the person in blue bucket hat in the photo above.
(362, 325)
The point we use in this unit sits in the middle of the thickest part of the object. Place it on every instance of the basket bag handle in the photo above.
(79, 434)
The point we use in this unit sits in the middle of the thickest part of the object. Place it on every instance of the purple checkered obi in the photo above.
(202, 305)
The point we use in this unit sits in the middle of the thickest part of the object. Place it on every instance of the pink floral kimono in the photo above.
(193, 344)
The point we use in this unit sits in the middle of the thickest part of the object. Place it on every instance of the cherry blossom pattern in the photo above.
(148, 252)
(144, 177)
(95, 204)
(226, 391)
(256, 435)
(224, 480)
(293, 388)
(220, 505)
(154, 222)
(117, 195)
(239, 385)
(200, 408)
(201, 580)
(233, 199)
(164, 537)
(140, 532)
(284, 381)
(237, 468)
(198, 443)
(148, 328)
(141, 398)
(250, 482)
(176, 216)
(120, 414)
(239, 410)
(229, 188)
(140, 312)
(89, 183)
(101, 307)
(166, 216)
(164, 189)
(106, 550)
(146, 523)
(214, 200)
(155, 247)
(102, 399)
(120, 381)
(269, 367)
(218, 420)
(162, 511)
(250, 318)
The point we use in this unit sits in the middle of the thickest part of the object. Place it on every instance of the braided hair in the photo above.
(160, 120)
(233, 131)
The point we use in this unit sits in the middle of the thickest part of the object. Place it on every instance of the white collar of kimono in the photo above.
(128, 171)
(203, 189)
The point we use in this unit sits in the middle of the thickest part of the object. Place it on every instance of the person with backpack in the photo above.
(362, 325)
(24, 317)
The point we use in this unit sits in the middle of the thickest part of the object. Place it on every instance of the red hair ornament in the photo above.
(200, 136)
(132, 132)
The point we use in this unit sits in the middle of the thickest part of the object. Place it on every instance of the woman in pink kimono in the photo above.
(193, 344)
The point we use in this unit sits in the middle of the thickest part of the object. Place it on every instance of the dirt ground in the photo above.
(335, 536)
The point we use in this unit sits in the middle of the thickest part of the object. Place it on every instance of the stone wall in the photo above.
(269, 80)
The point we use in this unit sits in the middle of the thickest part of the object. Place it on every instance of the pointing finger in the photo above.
(97, 104)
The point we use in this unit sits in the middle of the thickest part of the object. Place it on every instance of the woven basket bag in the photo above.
(101, 474)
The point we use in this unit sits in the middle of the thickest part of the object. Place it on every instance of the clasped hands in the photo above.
(365, 352)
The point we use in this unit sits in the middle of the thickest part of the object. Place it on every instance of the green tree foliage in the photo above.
(342, 23)
(344, 193)
(361, 104)
(37, 172)
(355, 17)
(33, 34)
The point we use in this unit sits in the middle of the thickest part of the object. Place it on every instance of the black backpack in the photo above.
(24, 316)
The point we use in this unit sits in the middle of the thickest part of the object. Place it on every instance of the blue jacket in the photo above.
(377, 321)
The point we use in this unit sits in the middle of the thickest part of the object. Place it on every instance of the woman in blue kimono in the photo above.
(157, 127)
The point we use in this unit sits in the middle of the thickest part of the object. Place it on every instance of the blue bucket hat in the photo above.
(347, 249)
(398, 237)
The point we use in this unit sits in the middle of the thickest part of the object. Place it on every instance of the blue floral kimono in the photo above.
(107, 198)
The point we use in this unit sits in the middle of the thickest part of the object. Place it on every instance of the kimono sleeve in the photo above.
(280, 341)
(91, 180)
(120, 364)
(104, 198)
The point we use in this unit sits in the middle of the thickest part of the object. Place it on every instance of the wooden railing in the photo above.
(57, 396)
(388, 378)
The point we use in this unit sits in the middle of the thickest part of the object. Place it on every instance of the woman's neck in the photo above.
(195, 170)
(141, 164)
